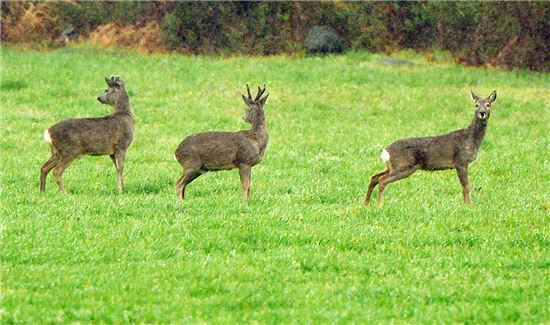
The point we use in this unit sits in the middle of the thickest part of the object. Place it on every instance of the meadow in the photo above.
(304, 249)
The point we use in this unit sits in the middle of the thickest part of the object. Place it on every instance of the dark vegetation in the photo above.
(506, 34)
(323, 40)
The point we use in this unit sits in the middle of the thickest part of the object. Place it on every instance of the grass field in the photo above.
(304, 249)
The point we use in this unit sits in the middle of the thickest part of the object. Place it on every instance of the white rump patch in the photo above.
(175, 158)
(47, 137)
(385, 156)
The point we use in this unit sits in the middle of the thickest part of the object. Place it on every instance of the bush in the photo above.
(170, 31)
(510, 35)
(323, 40)
(24, 22)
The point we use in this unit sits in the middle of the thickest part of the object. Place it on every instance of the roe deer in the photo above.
(213, 151)
(109, 135)
(453, 150)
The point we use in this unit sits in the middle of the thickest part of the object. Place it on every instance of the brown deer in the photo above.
(213, 151)
(453, 150)
(109, 135)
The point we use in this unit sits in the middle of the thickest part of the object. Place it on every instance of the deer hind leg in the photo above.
(58, 172)
(189, 175)
(462, 172)
(392, 176)
(187, 178)
(373, 182)
(244, 172)
(46, 168)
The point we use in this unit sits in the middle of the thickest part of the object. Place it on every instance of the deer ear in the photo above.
(108, 81)
(263, 100)
(474, 96)
(493, 96)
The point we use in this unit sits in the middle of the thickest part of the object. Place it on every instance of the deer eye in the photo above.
(487, 105)
(477, 105)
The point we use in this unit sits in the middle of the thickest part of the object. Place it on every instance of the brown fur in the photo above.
(453, 150)
(109, 135)
(213, 151)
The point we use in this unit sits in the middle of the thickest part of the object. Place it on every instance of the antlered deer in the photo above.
(109, 135)
(213, 151)
(453, 150)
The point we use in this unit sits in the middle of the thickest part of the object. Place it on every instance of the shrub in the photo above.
(511, 35)
(28, 23)
(170, 31)
(323, 40)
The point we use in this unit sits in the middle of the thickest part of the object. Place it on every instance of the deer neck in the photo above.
(477, 130)
(258, 124)
(260, 133)
(125, 109)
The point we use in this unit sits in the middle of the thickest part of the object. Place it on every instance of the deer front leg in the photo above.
(113, 159)
(462, 172)
(119, 165)
(244, 172)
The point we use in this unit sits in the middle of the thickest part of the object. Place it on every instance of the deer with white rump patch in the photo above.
(455, 150)
(213, 151)
(109, 135)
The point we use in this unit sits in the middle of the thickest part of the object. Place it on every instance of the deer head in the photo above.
(254, 112)
(483, 106)
(115, 95)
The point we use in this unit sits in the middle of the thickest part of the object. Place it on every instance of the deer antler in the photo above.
(117, 80)
(114, 80)
(260, 93)
(248, 90)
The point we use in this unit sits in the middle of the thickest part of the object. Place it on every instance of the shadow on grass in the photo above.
(8, 85)
(129, 189)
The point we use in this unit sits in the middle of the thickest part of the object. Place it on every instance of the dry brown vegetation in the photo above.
(145, 38)
(28, 23)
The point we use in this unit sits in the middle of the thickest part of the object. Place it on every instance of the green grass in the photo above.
(304, 249)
